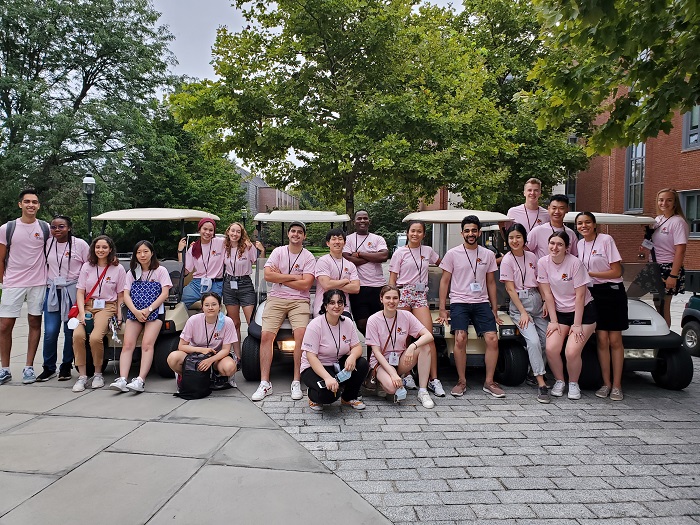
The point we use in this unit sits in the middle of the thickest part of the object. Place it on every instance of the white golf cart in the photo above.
(284, 342)
(176, 313)
(512, 366)
(650, 346)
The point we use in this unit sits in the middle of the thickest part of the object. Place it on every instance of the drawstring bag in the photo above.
(143, 294)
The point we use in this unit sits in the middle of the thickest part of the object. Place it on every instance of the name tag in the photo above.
(234, 284)
(205, 284)
(394, 358)
(420, 287)
(98, 303)
(649, 245)
(523, 294)
(475, 287)
(60, 281)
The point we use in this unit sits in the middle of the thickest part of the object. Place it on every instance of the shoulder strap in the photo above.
(87, 297)
(8, 234)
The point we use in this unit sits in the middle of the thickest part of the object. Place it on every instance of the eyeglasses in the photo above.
(336, 303)
(59, 227)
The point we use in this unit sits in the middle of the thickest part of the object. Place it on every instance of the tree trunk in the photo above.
(350, 195)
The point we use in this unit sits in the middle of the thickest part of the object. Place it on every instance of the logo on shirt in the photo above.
(345, 339)
(538, 221)
(565, 277)
(532, 266)
(108, 279)
(400, 330)
(215, 253)
(216, 335)
(296, 267)
(664, 230)
(369, 244)
(36, 235)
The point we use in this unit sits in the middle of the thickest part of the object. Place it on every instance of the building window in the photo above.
(690, 200)
(634, 177)
(691, 129)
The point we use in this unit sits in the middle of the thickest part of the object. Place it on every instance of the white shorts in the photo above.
(12, 299)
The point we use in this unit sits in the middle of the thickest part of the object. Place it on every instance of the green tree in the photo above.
(344, 96)
(634, 63)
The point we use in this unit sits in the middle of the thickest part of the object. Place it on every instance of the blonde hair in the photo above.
(243, 242)
(533, 180)
(677, 209)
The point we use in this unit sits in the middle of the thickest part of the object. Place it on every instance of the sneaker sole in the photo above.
(263, 397)
(128, 388)
(435, 393)
(28, 381)
(118, 389)
(497, 396)
(556, 395)
(64, 378)
(575, 398)
(43, 380)
(457, 394)
(544, 401)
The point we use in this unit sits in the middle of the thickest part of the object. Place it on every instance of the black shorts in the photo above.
(243, 296)
(680, 283)
(589, 315)
(611, 306)
(366, 302)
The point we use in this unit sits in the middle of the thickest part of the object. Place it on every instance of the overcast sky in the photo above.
(194, 25)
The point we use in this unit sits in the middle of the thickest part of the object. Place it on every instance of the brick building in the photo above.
(260, 197)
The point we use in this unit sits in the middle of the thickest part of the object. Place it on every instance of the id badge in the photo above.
(394, 358)
(205, 284)
(649, 245)
(522, 294)
(234, 284)
(420, 287)
(98, 303)
(336, 367)
(60, 281)
(475, 287)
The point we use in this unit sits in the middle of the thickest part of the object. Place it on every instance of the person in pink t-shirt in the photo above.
(334, 272)
(146, 289)
(538, 238)
(205, 259)
(392, 358)
(291, 270)
(530, 214)
(408, 270)
(205, 334)
(103, 273)
(563, 284)
(23, 278)
(239, 293)
(331, 362)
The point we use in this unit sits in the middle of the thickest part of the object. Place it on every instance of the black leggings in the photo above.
(350, 389)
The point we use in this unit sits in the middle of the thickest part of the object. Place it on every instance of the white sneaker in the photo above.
(79, 385)
(435, 386)
(296, 391)
(264, 389)
(558, 388)
(136, 384)
(232, 381)
(98, 381)
(409, 382)
(424, 397)
(119, 384)
(574, 391)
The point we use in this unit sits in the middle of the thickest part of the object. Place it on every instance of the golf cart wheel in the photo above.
(691, 337)
(250, 359)
(164, 346)
(674, 368)
(511, 368)
(591, 377)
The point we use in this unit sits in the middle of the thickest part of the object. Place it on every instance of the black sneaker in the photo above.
(45, 375)
(543, 395)
(530, 380)
(64, 372)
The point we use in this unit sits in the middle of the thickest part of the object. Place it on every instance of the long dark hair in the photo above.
(328, 295)
(134, 263)
(112, 259)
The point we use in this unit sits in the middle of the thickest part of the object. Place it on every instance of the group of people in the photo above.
(561, 291)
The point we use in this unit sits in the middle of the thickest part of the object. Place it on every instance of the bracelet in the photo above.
(673, 276)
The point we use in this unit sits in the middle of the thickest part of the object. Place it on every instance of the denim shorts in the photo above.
(478, 315)
(244, 295)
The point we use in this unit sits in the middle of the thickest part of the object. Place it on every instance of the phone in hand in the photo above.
(321, 383)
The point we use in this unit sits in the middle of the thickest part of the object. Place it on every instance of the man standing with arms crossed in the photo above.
(367, 251)
(468, 272)
(530, 214)
(538, 238)
(23, 276)
(290, 269)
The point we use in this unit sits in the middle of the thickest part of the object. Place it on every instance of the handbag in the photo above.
(143, 294)
(74, 311)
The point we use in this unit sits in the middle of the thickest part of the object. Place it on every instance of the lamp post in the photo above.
(89, 190)
(244, 214)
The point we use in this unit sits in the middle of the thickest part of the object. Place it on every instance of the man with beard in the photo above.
(472, 301)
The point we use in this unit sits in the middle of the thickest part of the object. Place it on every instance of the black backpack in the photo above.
(194, 384)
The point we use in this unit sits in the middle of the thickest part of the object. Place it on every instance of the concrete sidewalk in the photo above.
(154, 458)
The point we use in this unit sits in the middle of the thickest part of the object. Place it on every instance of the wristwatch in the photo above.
(150, 309)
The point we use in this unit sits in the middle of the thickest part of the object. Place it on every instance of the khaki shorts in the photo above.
(277, 310)
(13, 298)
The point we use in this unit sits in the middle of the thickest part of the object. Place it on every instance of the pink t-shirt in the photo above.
(522, 271)
(211, 263)
(336, 269)
(538, 240)
(378, 328)
(321, 339)
(528, 218)
(598, 255)
(371, 274)
(667, 235)
(111, 285)
(236, 266)
(26, 265)
(563, 279)
(411, 264)
(198, 332)
(463, 264)
(65, 261)
(160, 275)
(290, 264)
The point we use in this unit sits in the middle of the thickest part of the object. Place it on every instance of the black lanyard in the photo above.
(289, 260)
(59, 260)
(588, 266)
(473, 266)
(206, 332)
(420, 254)
(232, 261)
(523, 272)
(99, 282)
(357, 248)
(342, 267)
(527, 218)
(391, 330)
(340, 338)
(206, 264)
(660, 225)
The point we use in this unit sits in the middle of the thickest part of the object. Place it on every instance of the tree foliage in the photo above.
(634, 63)
(378, 96)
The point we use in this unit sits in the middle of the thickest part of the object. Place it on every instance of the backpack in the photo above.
(11, 230)
(194, 384)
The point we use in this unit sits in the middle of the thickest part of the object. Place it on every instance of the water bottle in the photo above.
(89, 322)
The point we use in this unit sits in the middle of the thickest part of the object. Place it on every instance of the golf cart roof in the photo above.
(612, 218)
(454, 216)
(155, 214)
(301, 215)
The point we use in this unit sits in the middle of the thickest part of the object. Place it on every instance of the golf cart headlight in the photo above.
(508, 331)
(287, 346)
(438, 330)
